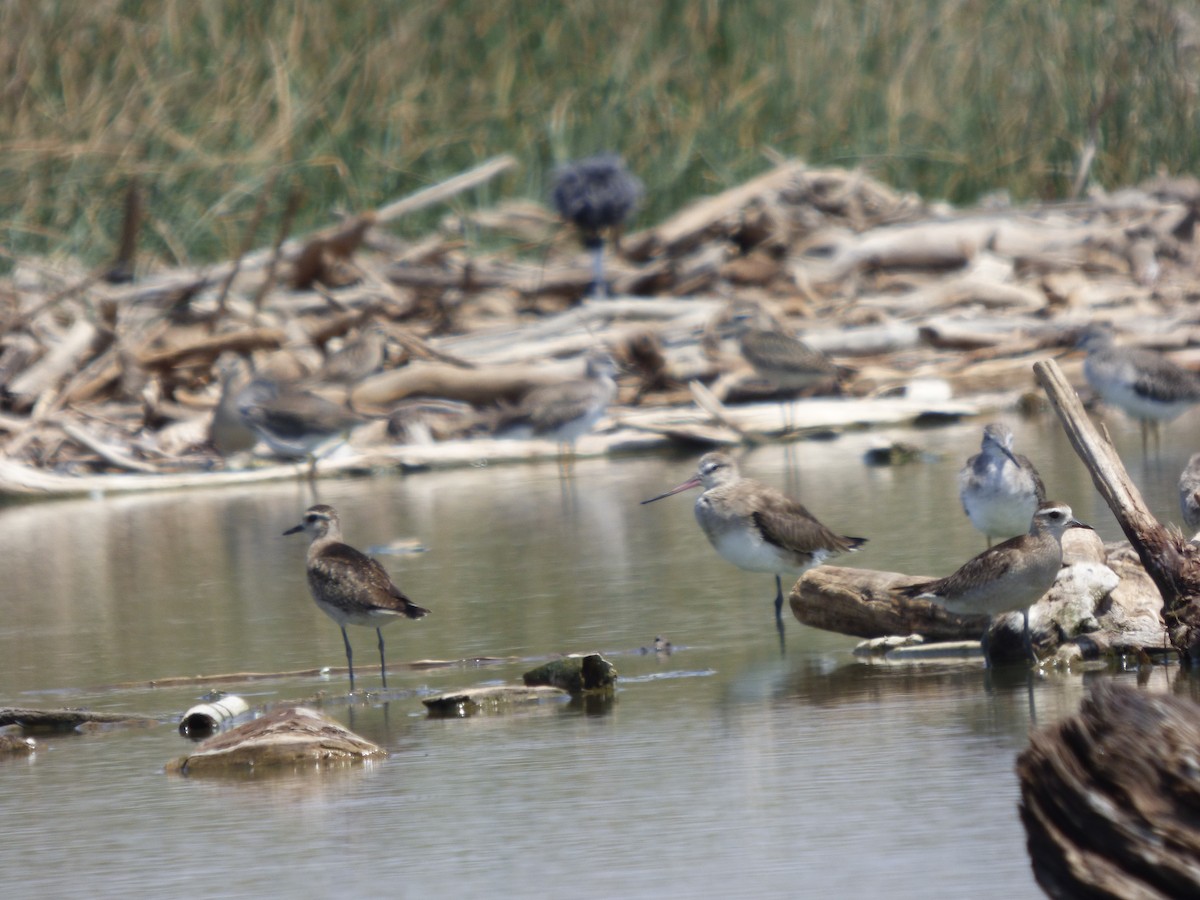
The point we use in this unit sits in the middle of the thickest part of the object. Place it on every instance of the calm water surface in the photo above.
(723, 769)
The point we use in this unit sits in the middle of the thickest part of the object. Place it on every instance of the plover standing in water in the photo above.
(349, 586)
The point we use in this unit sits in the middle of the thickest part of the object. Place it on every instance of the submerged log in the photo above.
(63, 720)
(292, 737)
(493, 698)
(1109, 797)
(575, 674)
(11, 745)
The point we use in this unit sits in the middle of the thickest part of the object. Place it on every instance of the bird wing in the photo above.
(987, 566)
(340, 570)
(551, 406)
(772, 349)
(1157, 378)
(1039, 487)
(787, 523)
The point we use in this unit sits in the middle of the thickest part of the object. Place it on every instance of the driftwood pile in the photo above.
(110, 383)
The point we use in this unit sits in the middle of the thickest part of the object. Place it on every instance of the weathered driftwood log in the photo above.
(864, 603)
(1170, 560)
(76, 346)
(493, 698)
(209, 347)
(54, 720)
(1110, 797)
(479, 387)
(292, 737)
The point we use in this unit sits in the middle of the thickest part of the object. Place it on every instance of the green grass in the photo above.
(355, 103)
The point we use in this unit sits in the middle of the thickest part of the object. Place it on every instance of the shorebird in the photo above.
(357, 358)
(1000, 489)
(597, 195)
(777, 356)
(1008, 577)
(757, 528)
(349, 586)
(566, 411)
(293, 423)
(1143, 383)
(228, 432)
(1189, 492)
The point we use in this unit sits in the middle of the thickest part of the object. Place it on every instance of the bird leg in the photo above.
(779, 615)
(983, 645)
(349, 657)
(382, 665)
(1027, 638)
(599, 288)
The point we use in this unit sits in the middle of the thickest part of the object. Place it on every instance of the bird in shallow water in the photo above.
(596, 195)
(757, 528)
(1144, 384)
(1011, 576)
(349, 586)
(1000, 489)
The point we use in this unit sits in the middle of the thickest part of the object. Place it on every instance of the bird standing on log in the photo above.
(1008, 577)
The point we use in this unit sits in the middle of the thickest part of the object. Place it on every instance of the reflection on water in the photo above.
(720, 769)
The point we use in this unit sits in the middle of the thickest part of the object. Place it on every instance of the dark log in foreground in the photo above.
(1110, 798)
(1170, 560)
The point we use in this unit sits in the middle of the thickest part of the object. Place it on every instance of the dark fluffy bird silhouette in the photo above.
(596, 195)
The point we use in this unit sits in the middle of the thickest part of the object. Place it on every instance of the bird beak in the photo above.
(294, 529)
(1012, 456)
(690, 483)
(1075, 523)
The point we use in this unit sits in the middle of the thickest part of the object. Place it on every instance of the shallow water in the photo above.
(721, 769)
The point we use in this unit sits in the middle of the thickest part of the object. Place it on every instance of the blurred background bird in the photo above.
(596, 194)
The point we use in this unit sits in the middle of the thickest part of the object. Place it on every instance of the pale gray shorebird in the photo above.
(596, 195)
(1189, 492)
(1008, 577)
(566, 411)
(1000, 489)
(1144, 384)
(228, 432)
(349, 586)
(757, 528)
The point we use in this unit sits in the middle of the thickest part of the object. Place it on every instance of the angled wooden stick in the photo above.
(1170, 561)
